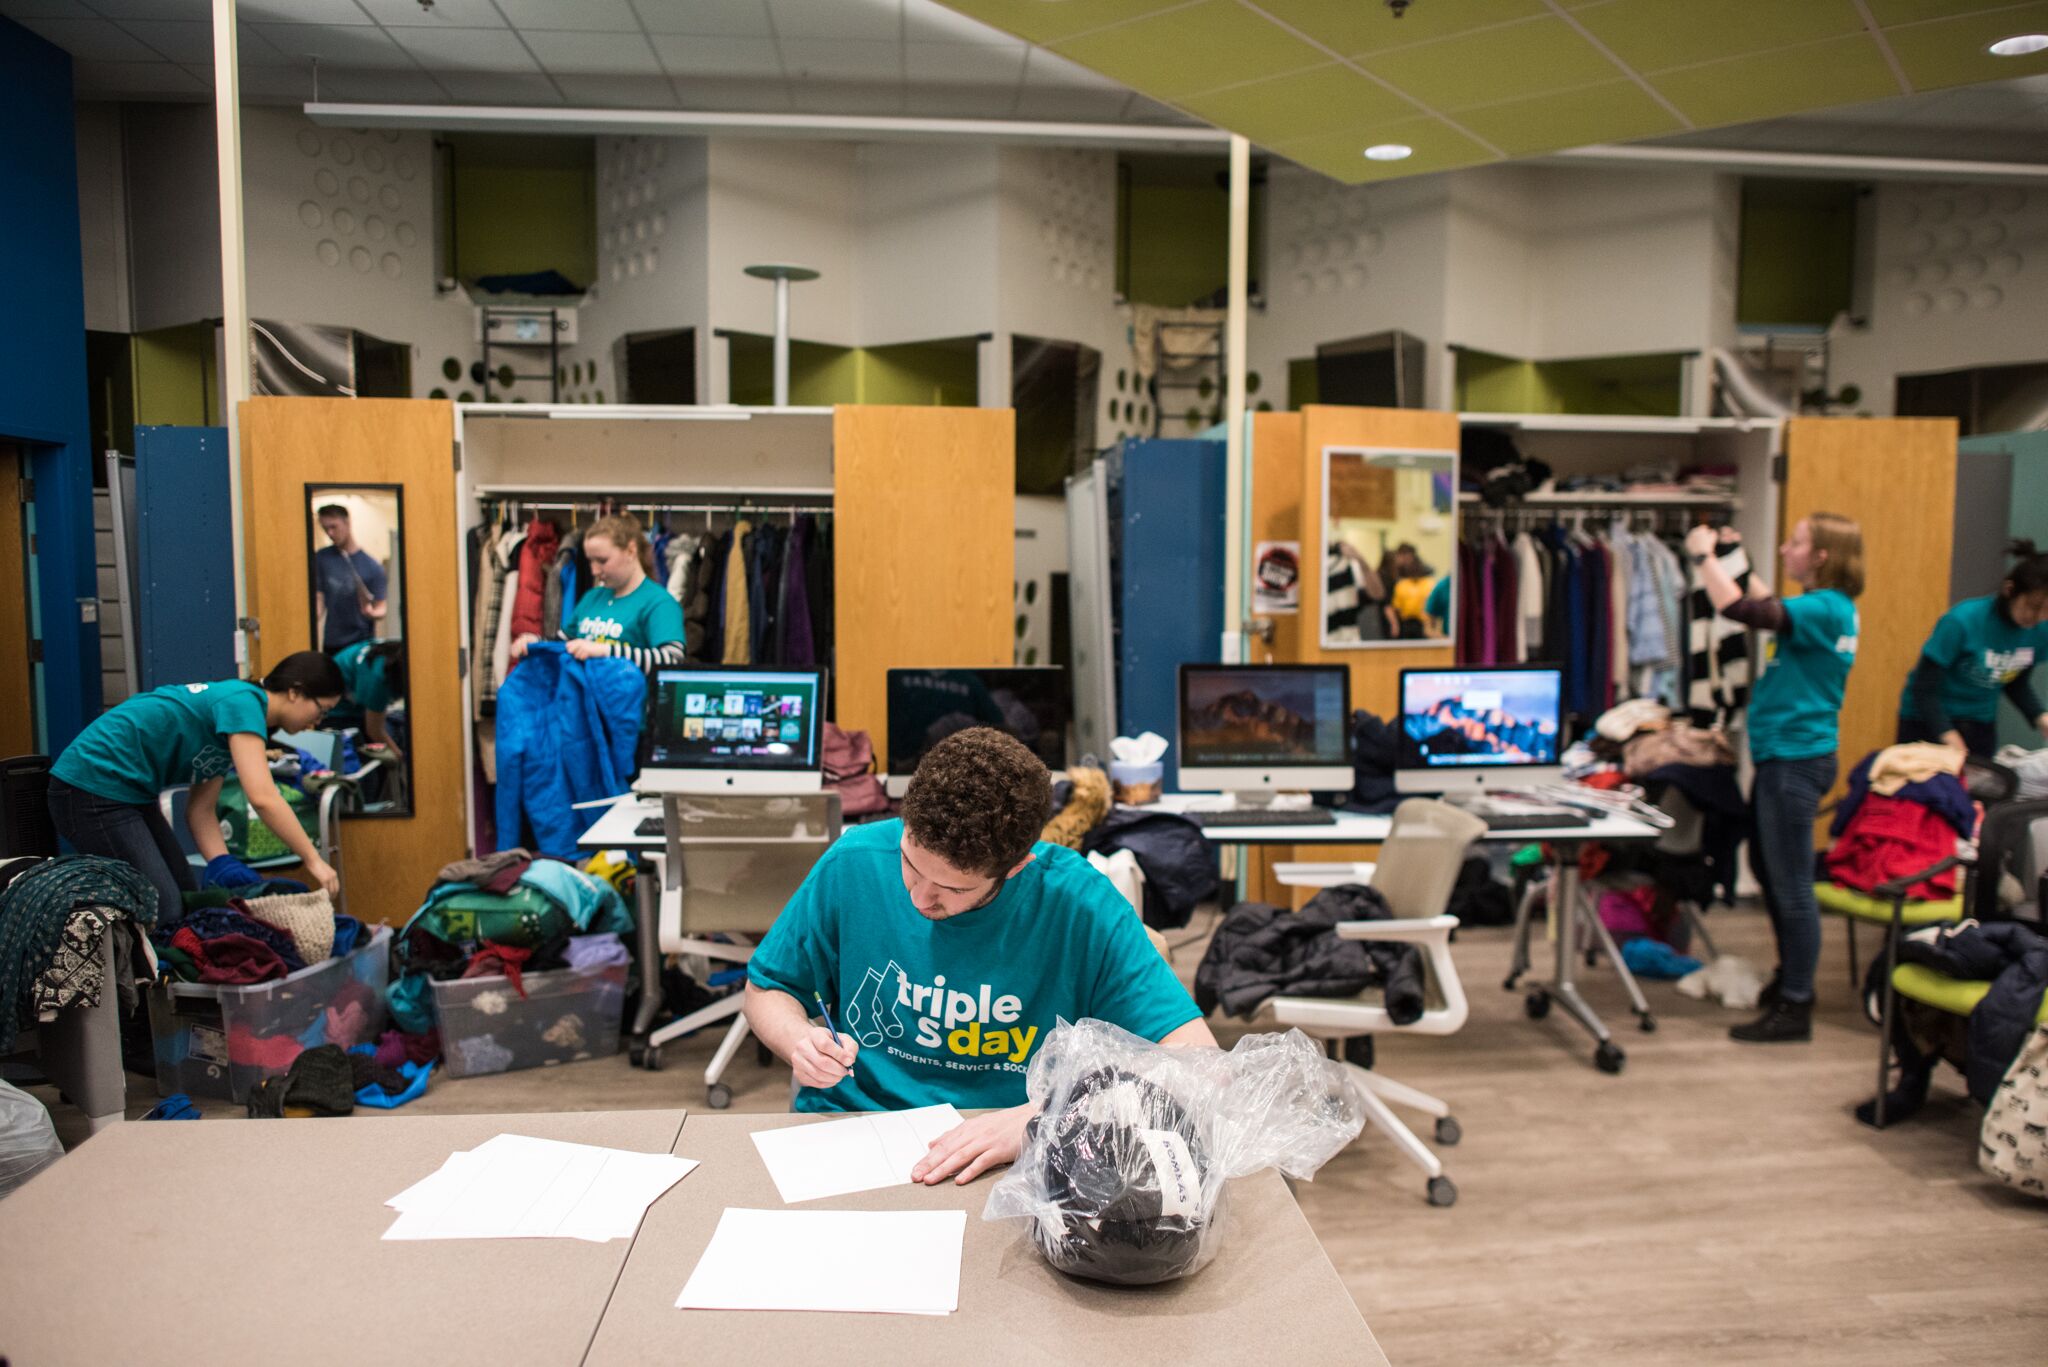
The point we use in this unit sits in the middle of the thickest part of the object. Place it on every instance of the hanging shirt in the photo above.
(157, 740)
(1980, 651)
(645, 617)
(1796, 706)
(953, 1010)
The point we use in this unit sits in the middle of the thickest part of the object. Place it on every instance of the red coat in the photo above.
(536, 563)
(1890, 836)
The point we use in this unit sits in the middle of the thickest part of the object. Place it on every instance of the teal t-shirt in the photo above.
(646, 617)
(1979, 652)
(1438, 604)
(156, 740)
(953, 1010)
(1794, 711)
(363, 679)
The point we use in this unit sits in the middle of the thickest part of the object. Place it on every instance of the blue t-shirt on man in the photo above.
(953, 1010)
(1980, 651)
(343, 580)
(1795, 712)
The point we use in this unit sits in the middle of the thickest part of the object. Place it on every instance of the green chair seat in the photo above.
(1861, 906)
(1957, 996)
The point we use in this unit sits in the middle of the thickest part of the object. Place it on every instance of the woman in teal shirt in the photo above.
(372, 680)
(626, 615)
(1794, 737)
(104, 787)
(1980, 648)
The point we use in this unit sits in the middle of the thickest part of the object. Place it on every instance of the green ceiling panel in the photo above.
(1351, 27)
(1515, 61)
(1189, 50)
(1889, 12)
(1653, 35)
(1773, 84)
(1044, 22)
(1341, 155)
(1286, 107)
(1950, 52)
(1619, 111)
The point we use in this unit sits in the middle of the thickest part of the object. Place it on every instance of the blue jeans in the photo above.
(1784, 801)
(134, 834)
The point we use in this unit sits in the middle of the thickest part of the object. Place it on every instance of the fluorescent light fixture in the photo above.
(1389, 151)
(2020, 45)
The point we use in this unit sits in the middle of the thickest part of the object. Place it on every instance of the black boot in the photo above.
(1785, 1022)
(1768, 998)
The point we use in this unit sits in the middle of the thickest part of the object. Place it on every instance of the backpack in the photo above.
(2013, 1145)
(849, 763)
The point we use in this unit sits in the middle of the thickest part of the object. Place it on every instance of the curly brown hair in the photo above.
(978, 800)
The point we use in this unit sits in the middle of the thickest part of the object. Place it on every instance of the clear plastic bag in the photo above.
(28, 1141)
(1122, 1173)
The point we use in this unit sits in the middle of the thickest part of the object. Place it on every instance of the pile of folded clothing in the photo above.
(1905, 809)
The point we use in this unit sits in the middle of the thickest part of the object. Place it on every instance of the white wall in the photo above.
(784, 202)
(652, 231)
(173, 215)
(925, 243)
(1491, 253)
(1055, 266)
(103, 217)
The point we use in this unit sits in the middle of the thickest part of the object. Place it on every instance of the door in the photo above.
(17, 684)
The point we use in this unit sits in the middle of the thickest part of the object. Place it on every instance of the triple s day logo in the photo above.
(978, 1024)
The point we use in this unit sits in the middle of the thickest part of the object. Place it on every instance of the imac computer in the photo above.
(1464, 731)
(928, 705)
(1256, 730)
(733, 732)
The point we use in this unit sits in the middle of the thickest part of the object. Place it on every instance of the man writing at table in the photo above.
(948, 944)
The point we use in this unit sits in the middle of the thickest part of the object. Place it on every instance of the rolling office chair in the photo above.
(1416, 871)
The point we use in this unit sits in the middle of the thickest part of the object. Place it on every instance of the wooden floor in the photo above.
(1714, 1203)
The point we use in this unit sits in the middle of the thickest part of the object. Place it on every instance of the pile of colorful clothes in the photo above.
(237, 937)
(1905, 809)
(55, 915)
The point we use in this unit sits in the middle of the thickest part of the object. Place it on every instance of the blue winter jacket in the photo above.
(567, 732)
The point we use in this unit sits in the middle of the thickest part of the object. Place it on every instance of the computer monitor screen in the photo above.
(928, 705)
(1500, 718)
(1253, 727)
(734, 719)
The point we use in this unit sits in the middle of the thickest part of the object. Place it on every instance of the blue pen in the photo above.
(826, 1011)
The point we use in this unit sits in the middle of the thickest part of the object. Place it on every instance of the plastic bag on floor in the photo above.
(1122, 1172)
(28, 1141)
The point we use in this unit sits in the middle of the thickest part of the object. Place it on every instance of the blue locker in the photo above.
(184, 547)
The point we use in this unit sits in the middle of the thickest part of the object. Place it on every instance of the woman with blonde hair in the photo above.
(1794, 737)
(626, 615)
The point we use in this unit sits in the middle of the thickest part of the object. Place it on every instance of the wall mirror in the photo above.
(355, 538)
(1390, 543)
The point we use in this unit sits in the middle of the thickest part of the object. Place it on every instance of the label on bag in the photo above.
(1180, 1191)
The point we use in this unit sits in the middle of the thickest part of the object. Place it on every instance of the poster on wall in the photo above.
(1276, 577)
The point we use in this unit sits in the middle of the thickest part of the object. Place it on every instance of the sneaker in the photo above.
(1785, 1022)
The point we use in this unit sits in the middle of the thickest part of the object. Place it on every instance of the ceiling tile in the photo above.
(963, 64)
(1141, 110)
(959, 101)
(1438, 147)
(1042, 67)
(1514, 61)
(927, 21)
(593, 54)
(685, 55)
(92, 40)
(1949, 52)
(443, 14)
(45, 9)
(89, 79)
(300, 12)
(1619, 111)
(1046, 23)
(1888, 12)
(132, 9)
(707, 18)
(617, 92)
(1071, 104)
(466, 49)
(341, 47)
(1766, 85)
(874, 20)
(841, 61)
(270, 84)
(1186, 51)
(1286, 107)
(191, 42)
(842, 97)
(585, 16)
(1653, 35)
(398, 87)
(499, 87)
(1351, 27)
(756, 96)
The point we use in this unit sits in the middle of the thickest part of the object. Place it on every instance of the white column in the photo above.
(782, 341)
(1237, 553)
(234, 296)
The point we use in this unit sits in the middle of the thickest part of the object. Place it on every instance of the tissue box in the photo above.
(1134, 785)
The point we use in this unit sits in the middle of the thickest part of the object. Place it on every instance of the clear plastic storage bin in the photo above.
(221, 1041)
(567, 1014)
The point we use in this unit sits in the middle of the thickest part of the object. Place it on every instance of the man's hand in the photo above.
(580, 649)
(974, 1146)
(819, 1061)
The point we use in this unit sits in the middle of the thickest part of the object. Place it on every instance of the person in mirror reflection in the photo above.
(104, 787)
(352, 585)
(1980, 648)
(1794, 734)
(373, 681)
(947, 945)
(625, 615)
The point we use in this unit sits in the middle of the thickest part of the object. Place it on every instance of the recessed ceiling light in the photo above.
(1389, 151)
(2020, 45)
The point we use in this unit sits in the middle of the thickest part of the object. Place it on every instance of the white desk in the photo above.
(1577, 914)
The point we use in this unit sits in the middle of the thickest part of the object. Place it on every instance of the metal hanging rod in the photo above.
(629, 504)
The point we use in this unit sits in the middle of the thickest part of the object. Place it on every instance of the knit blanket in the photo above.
(34, 908)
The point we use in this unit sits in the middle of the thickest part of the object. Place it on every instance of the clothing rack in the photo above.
(628, 504)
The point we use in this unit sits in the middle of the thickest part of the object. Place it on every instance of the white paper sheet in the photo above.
(861, 1153)
(893, 1262)
(518, 1187)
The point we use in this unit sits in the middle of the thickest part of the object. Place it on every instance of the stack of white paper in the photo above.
(859, 1154)
(892, 1262)
(516, 1187)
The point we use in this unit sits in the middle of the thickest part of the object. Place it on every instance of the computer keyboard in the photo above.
(1532, 821)
(1266, 816)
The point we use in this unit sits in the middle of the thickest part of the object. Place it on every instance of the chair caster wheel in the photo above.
(646, 1056)
(719, 1097)
(1647, 1024)
(1536, 1005)
(1441, 1192)
(1608, 1057)
(1448, 1131)
(1507, 984)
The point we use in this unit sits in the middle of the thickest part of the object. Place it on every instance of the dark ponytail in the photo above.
(313, 674)
(392, 655)
(2029, 572)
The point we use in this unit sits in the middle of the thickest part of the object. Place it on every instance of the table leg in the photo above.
(1563, 987)
(647, 936)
